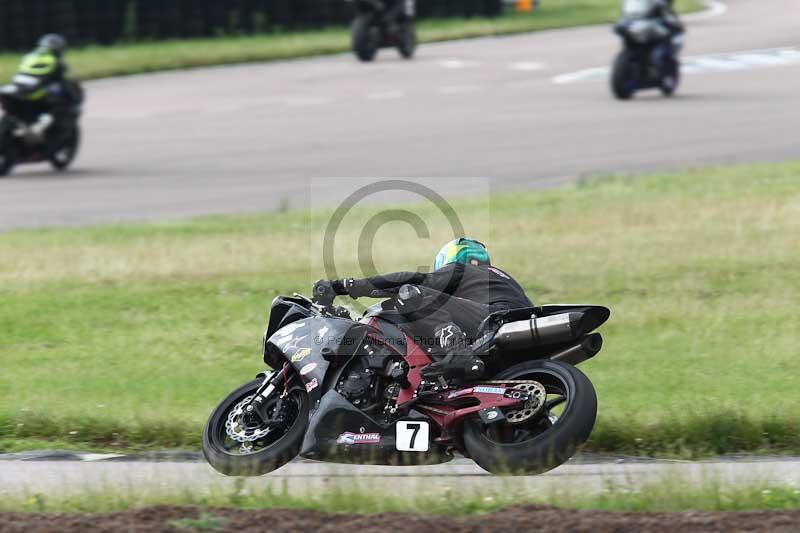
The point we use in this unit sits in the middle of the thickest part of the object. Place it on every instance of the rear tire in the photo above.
(270, 458)
(554, 445)
(621, 79)
(365, 38)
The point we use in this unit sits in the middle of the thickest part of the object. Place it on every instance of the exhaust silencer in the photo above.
(587, 348)
(555, 329)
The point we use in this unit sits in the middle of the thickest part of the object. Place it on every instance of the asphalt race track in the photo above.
(304, 477)
(526, 111)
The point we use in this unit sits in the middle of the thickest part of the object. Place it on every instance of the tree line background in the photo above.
(110, 21)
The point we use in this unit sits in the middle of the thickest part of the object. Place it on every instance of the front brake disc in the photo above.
(237, 430)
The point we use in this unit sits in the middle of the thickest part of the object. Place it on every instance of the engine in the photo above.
(371, 383)
(360, 386)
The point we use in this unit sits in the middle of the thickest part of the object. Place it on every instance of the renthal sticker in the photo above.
(300, 354)
(489, 390)
(359, 438)
(458, 393)
(309, 368)
(311, 385)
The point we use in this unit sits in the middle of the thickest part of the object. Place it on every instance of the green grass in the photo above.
(133, 58)
(126, 336)
(667, 495)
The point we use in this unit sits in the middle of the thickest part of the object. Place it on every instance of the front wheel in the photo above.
(622, 82)
(66, 151)
(238, 443)
(671, 78)
(407, 43)
(535, 440)
(6, 152)
(366, 38)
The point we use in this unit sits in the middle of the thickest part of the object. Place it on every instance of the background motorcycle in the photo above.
(351, 391)
(19, 143)
(649, 58)
(384, 23)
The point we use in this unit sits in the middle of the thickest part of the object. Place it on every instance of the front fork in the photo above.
(272, 382)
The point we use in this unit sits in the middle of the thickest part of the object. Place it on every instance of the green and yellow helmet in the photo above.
(464, 251)
(41, 62)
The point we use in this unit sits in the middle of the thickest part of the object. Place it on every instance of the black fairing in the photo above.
(336, 417)
(285, 310)
(311, 345)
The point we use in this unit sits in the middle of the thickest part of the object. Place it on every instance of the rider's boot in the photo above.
(42, 124)
(460, 362)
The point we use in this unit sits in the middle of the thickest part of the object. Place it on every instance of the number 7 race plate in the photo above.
(412, 436)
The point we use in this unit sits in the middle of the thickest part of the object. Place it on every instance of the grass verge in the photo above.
(126, 336)
(135, 58)
(671, 495)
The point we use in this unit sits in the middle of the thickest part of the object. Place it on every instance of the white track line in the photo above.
(458, 63)
(527, 66)
(713, 9)
(742, 60)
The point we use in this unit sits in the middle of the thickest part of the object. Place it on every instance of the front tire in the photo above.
(671, 79)
(408, 42)
(365, 38)
(6, 151)
(622, 84)
(549, 440)
(219, 449)
(65, 154)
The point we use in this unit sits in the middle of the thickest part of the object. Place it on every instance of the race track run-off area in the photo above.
(255, 137)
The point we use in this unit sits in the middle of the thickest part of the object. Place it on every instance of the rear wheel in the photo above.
(535, 441)
(622, 82)
(63, 156)
(238, 443)
(366, 38)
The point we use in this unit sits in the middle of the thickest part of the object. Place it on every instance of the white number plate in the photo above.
(413, 436)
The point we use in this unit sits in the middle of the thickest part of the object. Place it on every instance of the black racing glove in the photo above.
(323, 293)
(355, 288)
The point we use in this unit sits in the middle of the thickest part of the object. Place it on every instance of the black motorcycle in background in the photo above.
(22, 104)
(649, 58)
(383, 24)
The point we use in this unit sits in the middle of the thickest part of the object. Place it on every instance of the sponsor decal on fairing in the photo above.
(359, 438)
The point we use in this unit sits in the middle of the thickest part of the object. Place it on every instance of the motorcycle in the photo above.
(382, 24)
(649, 58)
(20, 142)
(351, 391)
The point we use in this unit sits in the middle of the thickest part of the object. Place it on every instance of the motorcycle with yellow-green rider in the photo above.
(41, 110)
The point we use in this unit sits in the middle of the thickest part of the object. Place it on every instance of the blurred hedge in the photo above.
(109, 21)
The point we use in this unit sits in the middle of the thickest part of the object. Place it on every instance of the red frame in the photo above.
(417, 359)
